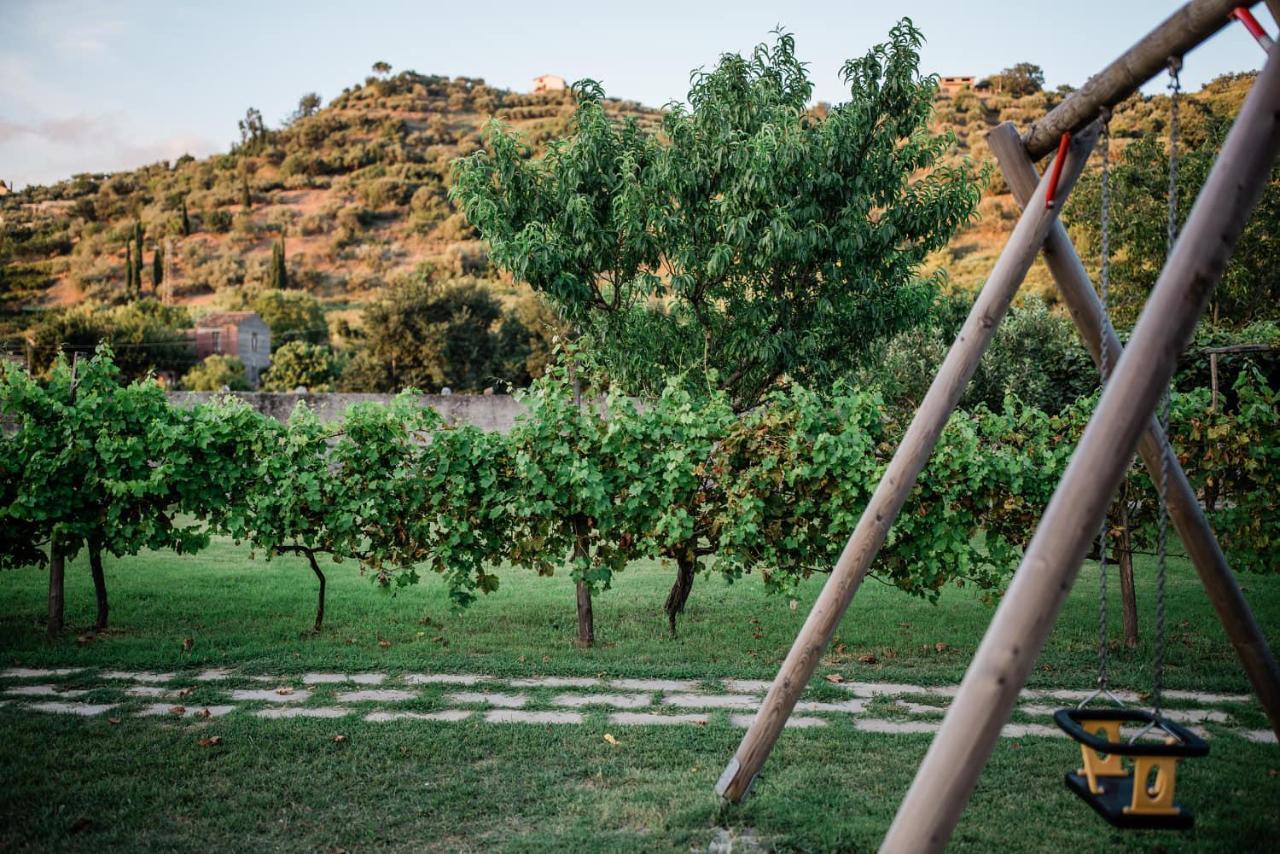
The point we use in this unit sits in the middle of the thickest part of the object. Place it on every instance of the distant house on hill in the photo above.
(954, 84)
(242, 334)
(4, 189)
(549, 83)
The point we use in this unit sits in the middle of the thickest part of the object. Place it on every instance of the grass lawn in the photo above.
(85, 783)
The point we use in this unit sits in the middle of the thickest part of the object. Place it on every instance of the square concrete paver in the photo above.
(655, 719)
(489, 698)
(444, 679)
(617, 701)
(304, 712)
(391, 695)
(514, 716)
(268, 696)
(451, 715)
(171, 710)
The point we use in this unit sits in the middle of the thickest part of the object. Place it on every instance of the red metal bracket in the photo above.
(1244, 16)
(1050, 197)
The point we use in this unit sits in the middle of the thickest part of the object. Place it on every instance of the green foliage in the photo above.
(216, 373)
(1250, 286)
(1024, 78)
(596, 480)
(157, 269)
(94, 463)
(301, 364)
(755, 241)
(567, 476)
(1035, 357)
(1233, 458)
(291, 316)
(430, 335)
(279, 276)
(145, 336)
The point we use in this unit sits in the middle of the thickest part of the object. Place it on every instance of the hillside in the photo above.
(357, 189)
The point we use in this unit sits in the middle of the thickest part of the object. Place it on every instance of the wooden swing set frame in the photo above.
(1123, 421)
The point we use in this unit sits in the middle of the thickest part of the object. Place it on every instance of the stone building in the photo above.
(954, 84)
(549, 83)
(242, 334)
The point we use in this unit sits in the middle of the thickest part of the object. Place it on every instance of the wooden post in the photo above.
(899, 478)
(1029, 609)
(1175, 36)
(1213, 381)
(1184, 505)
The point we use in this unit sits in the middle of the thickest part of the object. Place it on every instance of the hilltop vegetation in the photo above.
(347, 204)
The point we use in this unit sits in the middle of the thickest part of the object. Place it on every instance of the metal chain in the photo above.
(1157, 670)
(1104, 370)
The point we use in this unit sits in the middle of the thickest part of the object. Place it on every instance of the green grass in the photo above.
(147, 783)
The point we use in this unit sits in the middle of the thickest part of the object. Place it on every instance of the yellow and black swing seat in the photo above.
(1128, 797)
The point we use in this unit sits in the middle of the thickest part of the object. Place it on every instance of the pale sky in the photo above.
(102, 86)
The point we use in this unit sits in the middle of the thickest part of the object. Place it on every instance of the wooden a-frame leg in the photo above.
(1184, 505)
(1027, 612)
(900, 476)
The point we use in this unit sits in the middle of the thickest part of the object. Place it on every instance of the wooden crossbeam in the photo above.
(1175, 36)
(1027, 612)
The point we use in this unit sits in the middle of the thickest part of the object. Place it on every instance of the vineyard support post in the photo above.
(1184, 505)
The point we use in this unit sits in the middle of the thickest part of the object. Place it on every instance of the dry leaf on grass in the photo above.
(177, 710)
(113, 721)
(385, 644)
(284, 692)
(609, 738)
(868, 658)
(339, 739)
(186, 692)
(210, 741)
(204, 714)
(834, 678)
(940, 647)
(187, 643)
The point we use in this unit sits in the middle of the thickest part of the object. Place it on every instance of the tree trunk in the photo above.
(1124, 561)
(686, 567)
(586, 620)
(99, 586)
(57, 572)
(315, 567)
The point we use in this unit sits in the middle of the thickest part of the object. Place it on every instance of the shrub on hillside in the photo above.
(217, 373)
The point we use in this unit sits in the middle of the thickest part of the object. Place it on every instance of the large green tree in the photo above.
(749, 239)
(428, 335)
(1250, 286)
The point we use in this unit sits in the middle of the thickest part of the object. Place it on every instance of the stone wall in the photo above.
(486, 411)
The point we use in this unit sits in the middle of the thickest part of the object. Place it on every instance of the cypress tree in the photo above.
(186, 220)
(157, 268)
(245, 198)
(279, 276)
(284, 273)
(129, 292)
(135, 266)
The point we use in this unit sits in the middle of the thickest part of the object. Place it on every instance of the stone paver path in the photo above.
(876, 707)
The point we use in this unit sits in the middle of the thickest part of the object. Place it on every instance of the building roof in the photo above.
(219, 319)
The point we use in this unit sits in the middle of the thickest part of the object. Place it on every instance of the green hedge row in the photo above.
(584, 486)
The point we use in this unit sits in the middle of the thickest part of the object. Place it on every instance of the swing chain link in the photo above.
(1162, 535)
(1104, 369)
